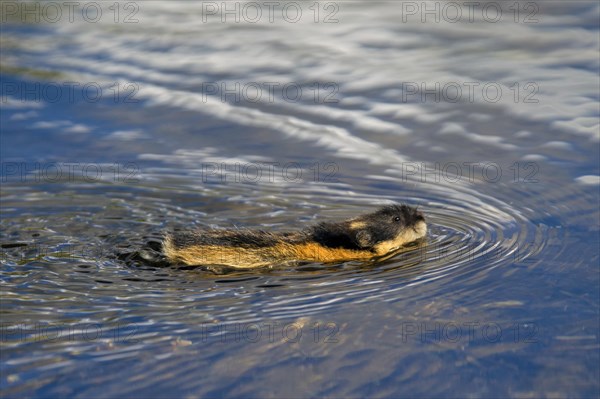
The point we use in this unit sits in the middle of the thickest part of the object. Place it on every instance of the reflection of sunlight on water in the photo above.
(175, 78)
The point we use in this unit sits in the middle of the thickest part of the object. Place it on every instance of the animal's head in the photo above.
(388, 229)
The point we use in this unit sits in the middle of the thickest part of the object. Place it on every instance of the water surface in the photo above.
(181, 120)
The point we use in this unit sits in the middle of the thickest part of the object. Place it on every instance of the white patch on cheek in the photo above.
(409, 235)
(421, 229)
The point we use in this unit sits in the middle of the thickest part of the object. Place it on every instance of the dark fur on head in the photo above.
(368, 230)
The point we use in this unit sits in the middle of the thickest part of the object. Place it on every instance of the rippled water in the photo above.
(502, 300)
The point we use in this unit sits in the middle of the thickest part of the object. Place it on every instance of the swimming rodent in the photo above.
(361, 238)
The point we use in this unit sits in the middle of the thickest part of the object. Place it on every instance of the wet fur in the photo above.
(361, 238)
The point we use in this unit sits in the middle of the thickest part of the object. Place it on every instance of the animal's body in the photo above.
(361, 238)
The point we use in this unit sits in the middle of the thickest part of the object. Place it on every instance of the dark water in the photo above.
(114, 132)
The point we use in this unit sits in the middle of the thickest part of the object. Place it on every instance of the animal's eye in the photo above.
(397, 219)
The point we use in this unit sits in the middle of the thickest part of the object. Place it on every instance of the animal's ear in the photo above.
(363, 239)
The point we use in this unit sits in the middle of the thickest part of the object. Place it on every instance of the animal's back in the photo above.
(243, 248)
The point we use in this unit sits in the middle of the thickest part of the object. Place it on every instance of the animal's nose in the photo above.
(419, 215)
